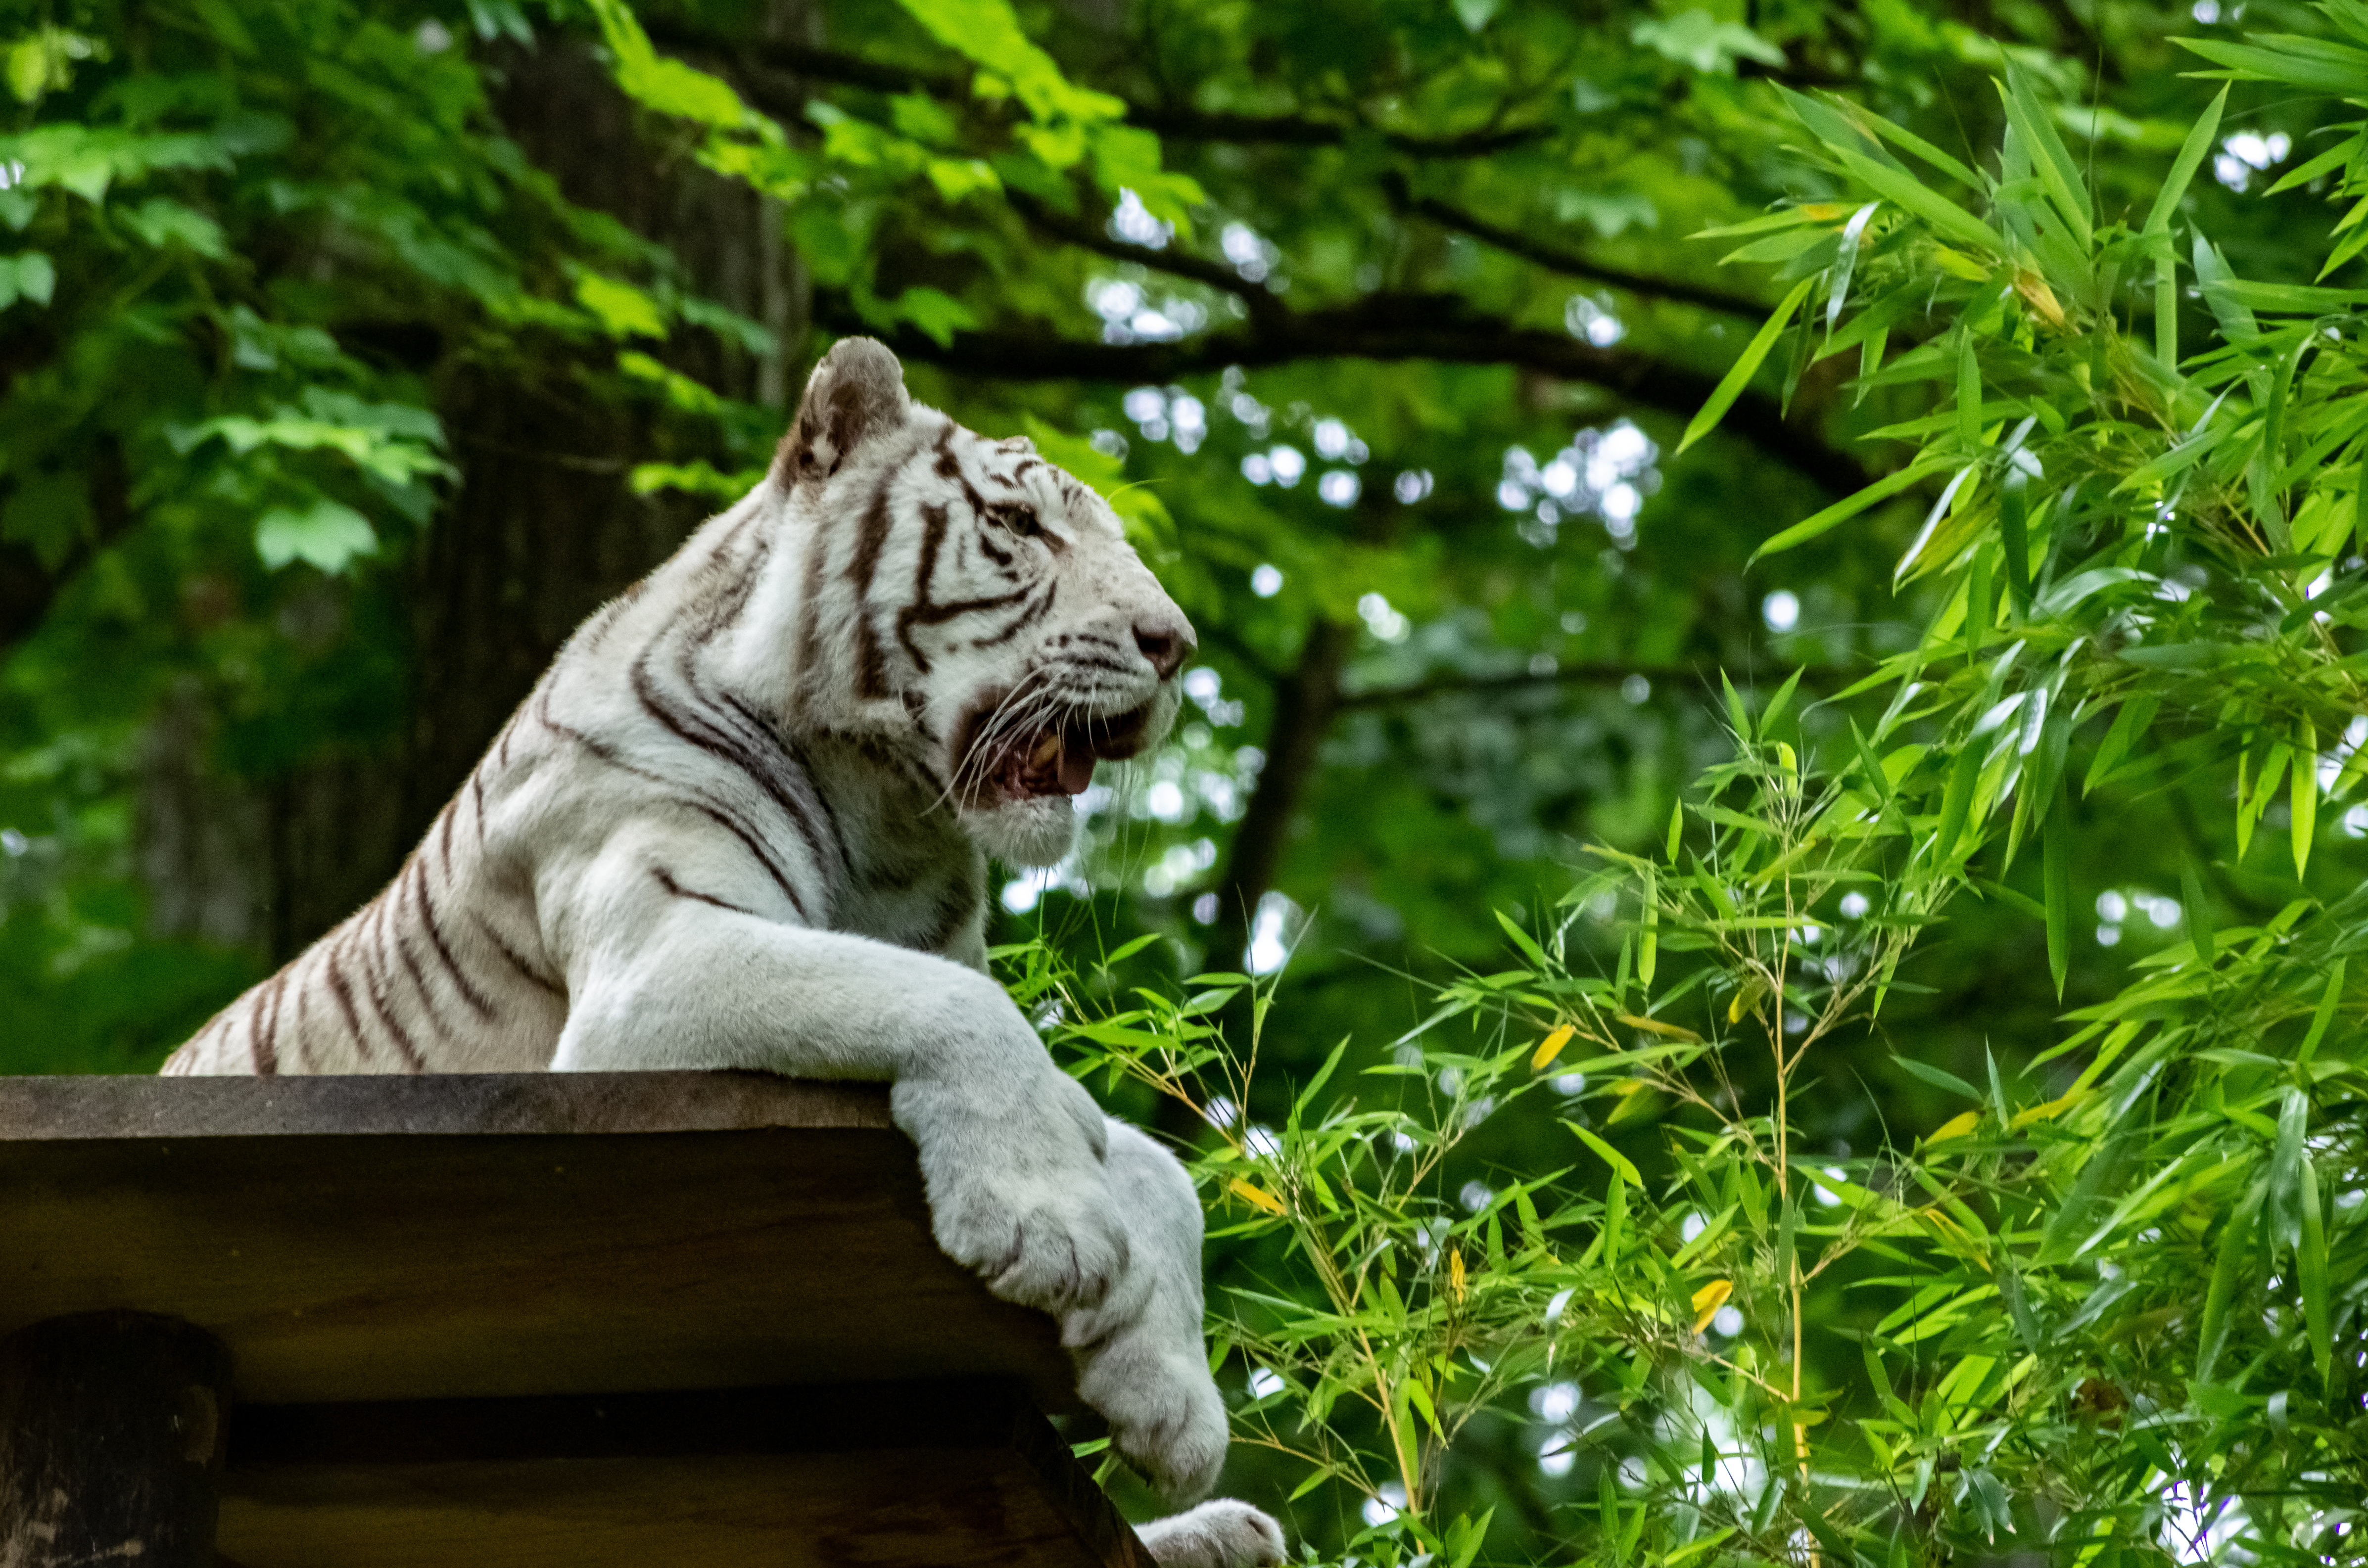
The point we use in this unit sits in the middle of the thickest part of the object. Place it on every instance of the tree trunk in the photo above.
(1305, 703)
(110, 1441)
(541, 529)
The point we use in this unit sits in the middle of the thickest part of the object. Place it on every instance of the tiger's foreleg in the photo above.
(1142, 1362)
(1011, 1149)
(1140, 1355)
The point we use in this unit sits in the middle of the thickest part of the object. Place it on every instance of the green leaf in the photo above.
(621, 309)
(2310, 1265)
(2324, 67)
(2235, 1238)
(1841, 511)
(2199, 138)
(2285, 1169)
(2014, 496)
(1618, 1161)
(2056, 849)
(1939, 1077)
(1956, 802)
(1523, 940)
(2199, 913)
(1739, 374)
(2303, 800)
(328, 534)
(2328, 1000)
(2128, 726)
(1969, 392)
(2056, 170)
(1903, 190)
(1648, 943)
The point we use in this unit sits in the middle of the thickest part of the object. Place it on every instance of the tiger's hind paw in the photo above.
(1221, 1533)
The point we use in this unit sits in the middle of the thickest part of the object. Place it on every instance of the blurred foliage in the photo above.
(2025, 531)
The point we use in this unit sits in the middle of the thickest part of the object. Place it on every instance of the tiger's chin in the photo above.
(1036, 830)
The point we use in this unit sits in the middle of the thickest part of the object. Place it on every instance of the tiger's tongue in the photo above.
(1076, 770)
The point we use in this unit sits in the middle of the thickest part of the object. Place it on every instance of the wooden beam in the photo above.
(962, 1470)
(502, 1236)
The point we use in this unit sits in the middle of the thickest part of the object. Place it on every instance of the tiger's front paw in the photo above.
(1021, 1200)
(1219, 1534)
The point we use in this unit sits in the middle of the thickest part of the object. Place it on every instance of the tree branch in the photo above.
(1184, 123)
(1382, 328)
(1569, 264)
(1087, 235)
(1567, 675)
(1304, 702)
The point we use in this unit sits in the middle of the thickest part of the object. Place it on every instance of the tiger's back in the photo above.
(748, 711)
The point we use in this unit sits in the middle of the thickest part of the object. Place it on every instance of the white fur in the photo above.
(732, 827)
(1220, 1534)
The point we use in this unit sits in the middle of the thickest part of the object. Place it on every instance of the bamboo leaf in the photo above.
(1903, 190)
(2199, 913)
(1708, 1299)
(2053, 162)
(2328, 1000)
(2310, 1266)
(2057, 848)
(1739, 374)
(2236, 1236)
(2302, 801)
(1850, 506)
(2199, 138)
(1969, 392)
(1623, 1170)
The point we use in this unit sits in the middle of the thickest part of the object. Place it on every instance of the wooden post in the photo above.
(111, 1441)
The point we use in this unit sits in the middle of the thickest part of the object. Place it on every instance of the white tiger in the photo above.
(743, 821)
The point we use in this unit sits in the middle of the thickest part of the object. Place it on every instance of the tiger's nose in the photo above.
(1166, 642)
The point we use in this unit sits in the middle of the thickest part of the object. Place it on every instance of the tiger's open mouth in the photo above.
(1050, 758)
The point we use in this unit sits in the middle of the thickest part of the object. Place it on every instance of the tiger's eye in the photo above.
(1020, 519)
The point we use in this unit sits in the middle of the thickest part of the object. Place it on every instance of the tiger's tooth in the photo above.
(1047, 750)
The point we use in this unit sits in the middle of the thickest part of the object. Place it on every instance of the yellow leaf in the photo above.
(1551, 1047)
(2040, 297)
(1626, 1086)
(1654, 1025)
(2052, 1110)
(1708, 1299)
(1747, 999)
(1455, 1275)
(1255, 1196)
(1955, 1127)
(1959, 265)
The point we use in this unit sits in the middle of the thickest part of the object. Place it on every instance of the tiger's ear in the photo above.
(857, 391)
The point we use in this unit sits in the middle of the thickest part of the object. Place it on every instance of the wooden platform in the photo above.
(684, 1318)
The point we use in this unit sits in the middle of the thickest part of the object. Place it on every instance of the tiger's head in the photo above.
(969, 603)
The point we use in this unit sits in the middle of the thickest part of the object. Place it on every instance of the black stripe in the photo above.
(701, 729)
(702, 803)
(374, 987)
(1028, 615)
(344, 993)
(478, 1002)
(676, 890)
(266, 1058)
(516, 959)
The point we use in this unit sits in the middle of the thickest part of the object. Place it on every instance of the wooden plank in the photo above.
(449, 1236)
(887, 1475)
